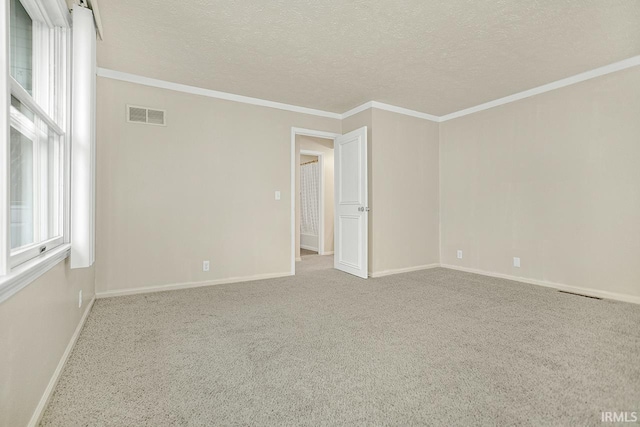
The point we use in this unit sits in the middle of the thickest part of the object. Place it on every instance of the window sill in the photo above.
(22, 275)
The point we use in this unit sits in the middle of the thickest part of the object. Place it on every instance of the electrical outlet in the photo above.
(516, 261)
(277, 195)
(459, 254)
(205, 265)
(80, 298)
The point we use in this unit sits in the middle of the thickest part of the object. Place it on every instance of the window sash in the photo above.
(48, 159)
(27, 253)
(23, 96)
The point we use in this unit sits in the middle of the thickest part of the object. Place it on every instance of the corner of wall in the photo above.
(440, 193)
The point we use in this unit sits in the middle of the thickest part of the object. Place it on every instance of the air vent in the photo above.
(145, 115)
(155, 117)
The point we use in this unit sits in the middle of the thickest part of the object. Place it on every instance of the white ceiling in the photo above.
(436, 56)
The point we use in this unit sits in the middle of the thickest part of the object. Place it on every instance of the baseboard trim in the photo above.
(327, 253)
(309, 248)
(188, 285)
(383, 273)
(48, 392)
(562, 287)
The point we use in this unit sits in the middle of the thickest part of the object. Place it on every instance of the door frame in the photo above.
(306, 132)
(320, 156)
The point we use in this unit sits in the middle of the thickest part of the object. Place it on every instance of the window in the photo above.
(38, 154)
(21, 45)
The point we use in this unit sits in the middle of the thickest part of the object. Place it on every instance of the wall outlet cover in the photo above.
(205, 265)
(516, 261)
(459, 254)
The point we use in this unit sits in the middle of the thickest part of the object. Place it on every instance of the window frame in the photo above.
(51, 105)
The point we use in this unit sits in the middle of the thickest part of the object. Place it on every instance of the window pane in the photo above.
(21, 46)
(52, 186)
(21, 190)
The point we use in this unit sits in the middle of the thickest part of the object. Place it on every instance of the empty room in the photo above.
(272, 213)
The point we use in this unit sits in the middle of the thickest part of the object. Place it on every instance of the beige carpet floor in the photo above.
(307, 252)
(433, 347)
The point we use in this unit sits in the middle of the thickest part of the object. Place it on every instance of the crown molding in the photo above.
(356, 110)
(162, 84)
(392, 108)
(587, 75)
(405, 111)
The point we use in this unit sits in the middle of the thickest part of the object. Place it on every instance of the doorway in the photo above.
(347, 178)
(313, 191)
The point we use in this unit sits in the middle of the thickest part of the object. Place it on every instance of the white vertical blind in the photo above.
(83, 139)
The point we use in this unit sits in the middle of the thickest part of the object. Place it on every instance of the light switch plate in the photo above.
(277, 195)
(516, 261)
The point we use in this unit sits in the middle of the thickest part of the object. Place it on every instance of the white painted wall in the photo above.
(552, 179)
(459, 175)
(403, 190)
(201, 188)
(36, 326)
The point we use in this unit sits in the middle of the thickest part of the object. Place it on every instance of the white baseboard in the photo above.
(327, 253)
(402, 270)
(48, 392)
(562, 287)
(309, 248)
(187, 285)
(298, 259)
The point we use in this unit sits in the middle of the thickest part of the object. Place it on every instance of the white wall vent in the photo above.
(146, 115)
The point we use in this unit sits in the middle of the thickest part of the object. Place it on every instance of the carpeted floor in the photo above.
(307, 252)
(433, 347)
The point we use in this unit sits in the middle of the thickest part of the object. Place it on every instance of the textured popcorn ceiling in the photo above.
(436, 57)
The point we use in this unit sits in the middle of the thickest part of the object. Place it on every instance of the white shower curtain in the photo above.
(309, 188)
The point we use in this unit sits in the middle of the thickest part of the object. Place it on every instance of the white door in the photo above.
(351, 203)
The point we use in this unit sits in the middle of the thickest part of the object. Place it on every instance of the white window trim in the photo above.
(25, 273)
(53, 13)
(5, 102)
(12, 280)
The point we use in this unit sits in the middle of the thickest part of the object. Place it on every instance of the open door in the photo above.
(351, 203)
